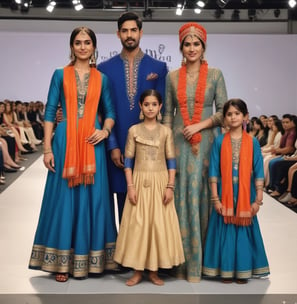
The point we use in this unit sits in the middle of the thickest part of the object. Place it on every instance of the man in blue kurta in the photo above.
(130, 73)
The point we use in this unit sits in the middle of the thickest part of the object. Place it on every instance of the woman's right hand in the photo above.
(49, 161)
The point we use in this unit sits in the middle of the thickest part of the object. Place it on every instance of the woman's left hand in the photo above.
(255, 208)
(97, 137)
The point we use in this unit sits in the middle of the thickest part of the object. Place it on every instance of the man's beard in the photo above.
(130, 47)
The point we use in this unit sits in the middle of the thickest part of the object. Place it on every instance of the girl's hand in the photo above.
(132, 195)
(49, 161)
(255, 208)
(97, 137)
(218, 207)
(168, 196)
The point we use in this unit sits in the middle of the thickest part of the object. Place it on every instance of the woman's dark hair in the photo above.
(259, 122)
(239, 104)
(279, 126)
(128, 16)
(150, 92)
(77, 30)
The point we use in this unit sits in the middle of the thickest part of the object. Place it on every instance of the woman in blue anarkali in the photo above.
(234, 248)
(76, 232)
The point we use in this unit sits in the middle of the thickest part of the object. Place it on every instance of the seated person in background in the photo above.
(287, 144)
(260, 132)
(21, 120)
(250, 126)
(279, 178)
(270, 132)
(32, 114)
(274, 136)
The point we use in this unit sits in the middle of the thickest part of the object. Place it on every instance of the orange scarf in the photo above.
(199, 98)
(80, 164)
(243, 215)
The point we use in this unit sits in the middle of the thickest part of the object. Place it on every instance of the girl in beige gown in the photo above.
(149, 236)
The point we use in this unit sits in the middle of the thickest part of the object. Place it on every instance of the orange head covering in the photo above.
(193, 28)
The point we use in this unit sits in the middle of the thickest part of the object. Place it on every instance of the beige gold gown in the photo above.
(149, 236)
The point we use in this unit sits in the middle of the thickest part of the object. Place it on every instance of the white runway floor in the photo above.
(19, 210)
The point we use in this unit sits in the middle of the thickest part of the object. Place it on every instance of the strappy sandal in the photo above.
(62, 277)
(227, 280)
(241, 281)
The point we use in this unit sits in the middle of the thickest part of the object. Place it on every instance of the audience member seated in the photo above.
(279, 176)
(25, 125)
(287, 144)
(8, 120)
(2, 177)
(260, 133)
(8, 163)
(30, 111)
(271, 133)
(290, 195)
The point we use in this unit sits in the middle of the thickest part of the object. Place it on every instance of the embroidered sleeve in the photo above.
(130, 144)
(169, 104)
(220, 98)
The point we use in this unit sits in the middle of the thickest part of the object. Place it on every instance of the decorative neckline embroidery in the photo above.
(199, 98)
(131, 76)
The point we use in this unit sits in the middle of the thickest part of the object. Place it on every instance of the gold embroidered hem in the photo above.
(264, 271)
(64, 261)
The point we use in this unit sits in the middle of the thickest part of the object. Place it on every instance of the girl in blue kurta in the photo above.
(234, 247)
(76, 233)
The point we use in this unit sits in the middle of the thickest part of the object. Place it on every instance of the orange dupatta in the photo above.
(243, 215)
(80, 165)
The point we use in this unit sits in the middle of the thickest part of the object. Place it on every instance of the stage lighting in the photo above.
(201, 3)
(292, 3)
(77, 5)
(51, 6)
(25, 6)
(222, 3)
(179, 9)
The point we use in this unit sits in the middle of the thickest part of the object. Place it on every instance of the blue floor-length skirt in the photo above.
(76, 232)
(234, 251)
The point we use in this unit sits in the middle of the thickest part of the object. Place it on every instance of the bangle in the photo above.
(107, 130)
(46, 151)
(259, 203)
(170, 186)
(259, 187)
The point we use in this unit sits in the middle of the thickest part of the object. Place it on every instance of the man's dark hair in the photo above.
(127, 17)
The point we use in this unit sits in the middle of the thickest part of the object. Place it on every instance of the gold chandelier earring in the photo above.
(141, 116)
(93, 58)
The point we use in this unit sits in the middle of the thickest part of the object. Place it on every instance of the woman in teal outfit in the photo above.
(234, 247)
(76, 233)
(192, 94)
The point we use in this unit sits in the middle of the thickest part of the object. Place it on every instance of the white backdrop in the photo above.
(260, 69)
